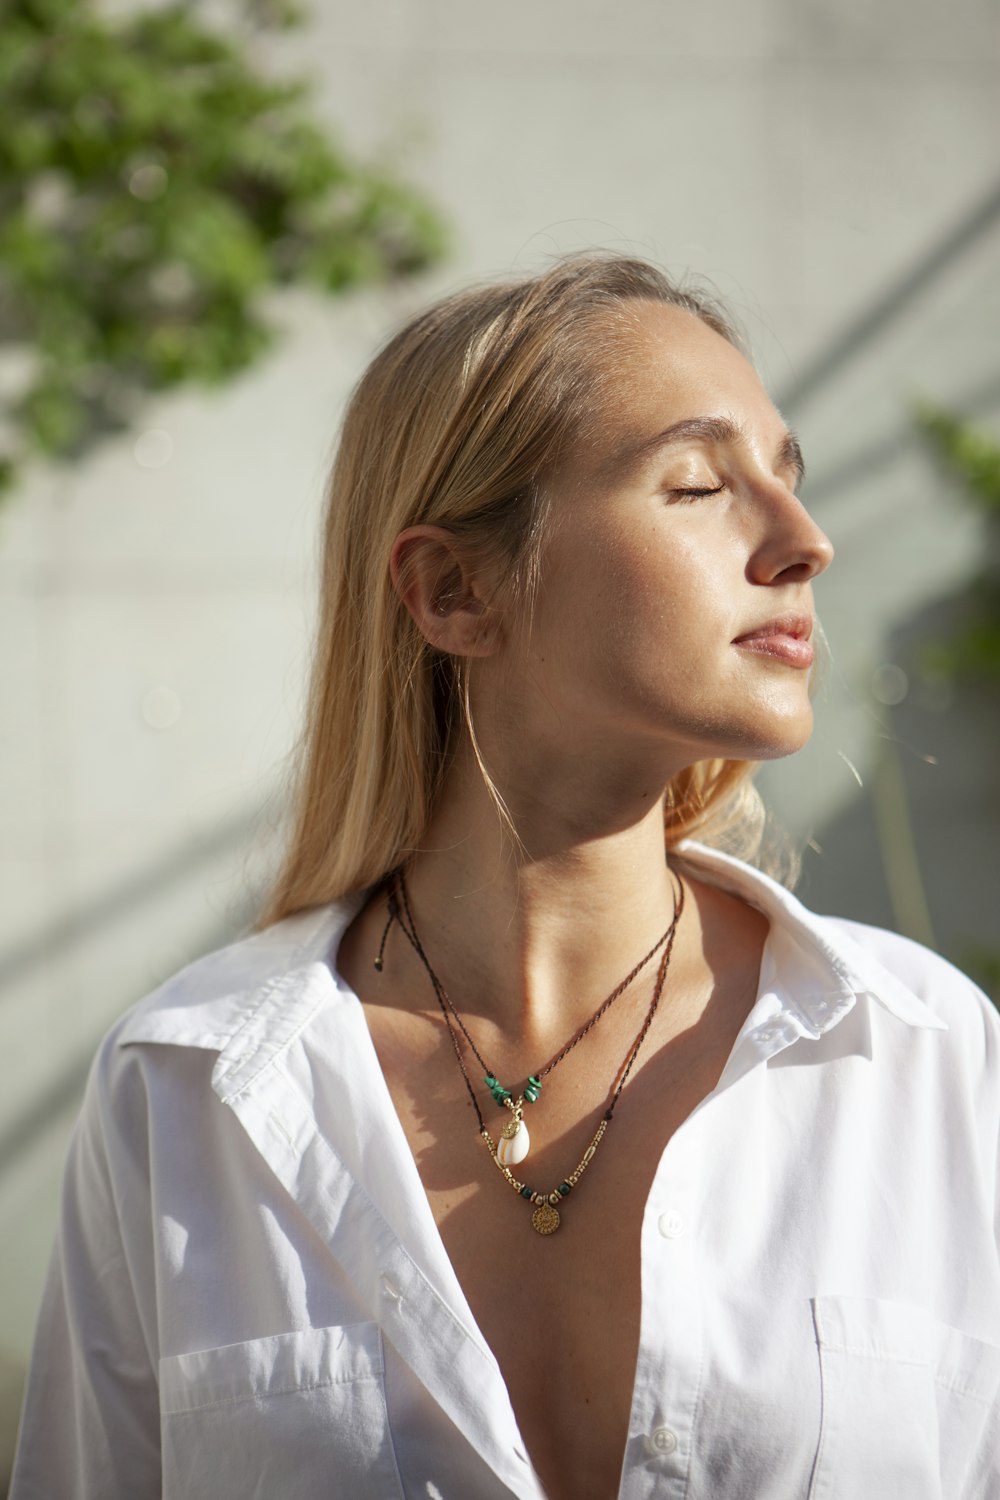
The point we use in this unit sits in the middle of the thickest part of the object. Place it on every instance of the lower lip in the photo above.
(789, 649)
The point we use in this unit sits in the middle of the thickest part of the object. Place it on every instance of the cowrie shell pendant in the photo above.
(513, 1144)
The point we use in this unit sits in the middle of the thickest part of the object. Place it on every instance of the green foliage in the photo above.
(973, 457)
(152, 187)
(983, 966)
(967, 450)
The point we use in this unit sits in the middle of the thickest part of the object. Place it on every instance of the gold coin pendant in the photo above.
(545, 1219)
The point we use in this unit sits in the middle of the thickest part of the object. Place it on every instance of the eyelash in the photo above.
(699, 494)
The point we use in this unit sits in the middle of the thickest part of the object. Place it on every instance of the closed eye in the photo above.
(698, 494)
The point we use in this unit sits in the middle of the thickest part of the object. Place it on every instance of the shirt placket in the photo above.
(670, 1359)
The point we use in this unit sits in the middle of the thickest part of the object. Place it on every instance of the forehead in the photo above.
(665, 366)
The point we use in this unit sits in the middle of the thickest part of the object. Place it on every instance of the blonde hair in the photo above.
(455, 423)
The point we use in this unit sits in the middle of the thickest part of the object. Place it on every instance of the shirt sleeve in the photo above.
(90, 1423)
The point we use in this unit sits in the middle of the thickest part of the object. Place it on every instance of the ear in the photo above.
(443, 592)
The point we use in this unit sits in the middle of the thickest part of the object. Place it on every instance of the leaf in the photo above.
(972, 455)
(968, 451)
(53, 416)
(154, 184)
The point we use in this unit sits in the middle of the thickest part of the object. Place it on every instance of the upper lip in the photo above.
(794, 624)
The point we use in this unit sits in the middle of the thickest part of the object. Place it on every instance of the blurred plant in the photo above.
(973, 457)
(152, 187)
(973, 654)
(982, 965)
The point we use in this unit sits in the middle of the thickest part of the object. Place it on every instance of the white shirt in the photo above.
(249, 1295)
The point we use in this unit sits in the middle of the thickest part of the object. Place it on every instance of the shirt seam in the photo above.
(950, 1383)
(270, 993)
(285, 1390)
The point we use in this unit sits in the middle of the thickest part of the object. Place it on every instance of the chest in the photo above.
(561, 1312)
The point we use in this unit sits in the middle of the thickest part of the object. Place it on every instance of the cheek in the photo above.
(654, 602)
(678, 591)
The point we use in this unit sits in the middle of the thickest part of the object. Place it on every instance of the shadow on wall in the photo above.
(11, 1387)
(917, 849)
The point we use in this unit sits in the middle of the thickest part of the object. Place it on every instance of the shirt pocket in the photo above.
(290, 1417)
(905, 1401)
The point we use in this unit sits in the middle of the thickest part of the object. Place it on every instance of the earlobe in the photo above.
(442, 591)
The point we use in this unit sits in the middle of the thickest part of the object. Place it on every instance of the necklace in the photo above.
(512, 1146)
(514, 1142)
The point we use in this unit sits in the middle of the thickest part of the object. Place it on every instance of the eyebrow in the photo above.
(709, 430)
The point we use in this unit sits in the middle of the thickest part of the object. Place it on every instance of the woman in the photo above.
(508, 1156)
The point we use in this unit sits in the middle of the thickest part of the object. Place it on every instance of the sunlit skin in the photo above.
(670, 627)
(648, 585)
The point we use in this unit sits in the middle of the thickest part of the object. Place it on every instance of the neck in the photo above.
(531, 937)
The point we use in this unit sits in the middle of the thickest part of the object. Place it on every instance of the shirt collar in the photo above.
(828, 969)
(251, 1000)
(253, 994)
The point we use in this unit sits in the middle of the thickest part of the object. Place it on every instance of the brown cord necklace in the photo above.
(512, 1146)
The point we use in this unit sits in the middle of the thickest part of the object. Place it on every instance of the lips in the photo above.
(785, 638)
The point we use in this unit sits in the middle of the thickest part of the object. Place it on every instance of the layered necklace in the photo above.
(513, 1142)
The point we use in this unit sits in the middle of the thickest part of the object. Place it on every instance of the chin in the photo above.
(763, 735)
(786, 740)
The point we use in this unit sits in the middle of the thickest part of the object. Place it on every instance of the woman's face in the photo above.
(675, 606)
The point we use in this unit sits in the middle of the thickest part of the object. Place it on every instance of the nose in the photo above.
(792, 547)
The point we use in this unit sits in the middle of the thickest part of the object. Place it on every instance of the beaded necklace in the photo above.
(513, 1143)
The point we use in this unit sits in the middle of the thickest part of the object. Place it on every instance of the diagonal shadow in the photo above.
(979, 401)
(66, 932)
(872, 320)
(66, 1089)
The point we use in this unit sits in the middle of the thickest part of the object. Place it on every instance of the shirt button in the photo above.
(661, 1441)
(671, 1224)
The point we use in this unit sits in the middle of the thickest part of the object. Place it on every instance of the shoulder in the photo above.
(159, 1061)
(923, 970)
(208, 1001)
(221, 1010)
(942, 987)
(911, 984)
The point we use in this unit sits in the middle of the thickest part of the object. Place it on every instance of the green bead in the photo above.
(535, 1081)
(531, 1094)
(565, 1189)
(490, 1081)
(527, 1192)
